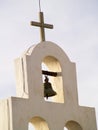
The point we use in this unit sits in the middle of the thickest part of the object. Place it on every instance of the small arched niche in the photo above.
(72, 125)
(37, 123)
(51, 65)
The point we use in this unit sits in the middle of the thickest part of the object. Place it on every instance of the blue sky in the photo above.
(75, 30)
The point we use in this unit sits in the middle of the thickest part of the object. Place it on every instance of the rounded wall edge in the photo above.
(46, 45)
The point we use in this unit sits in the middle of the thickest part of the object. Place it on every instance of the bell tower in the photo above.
(46, 86)
(65, 111)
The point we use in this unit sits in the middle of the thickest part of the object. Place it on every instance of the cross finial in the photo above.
(42, 25)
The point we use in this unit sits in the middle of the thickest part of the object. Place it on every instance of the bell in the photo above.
(48, 91)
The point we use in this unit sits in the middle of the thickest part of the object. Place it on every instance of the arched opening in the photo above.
(52, 70)
(72, 125)
(37, 123)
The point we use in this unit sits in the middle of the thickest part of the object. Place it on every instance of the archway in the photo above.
(51, 64)
(72, 125)
(37, 123)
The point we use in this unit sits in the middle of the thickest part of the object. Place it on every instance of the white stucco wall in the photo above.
(30, 106)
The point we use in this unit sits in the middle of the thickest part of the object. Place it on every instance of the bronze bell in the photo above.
(48, 91)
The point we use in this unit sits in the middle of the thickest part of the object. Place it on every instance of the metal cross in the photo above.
(42, 25)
